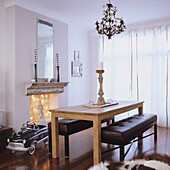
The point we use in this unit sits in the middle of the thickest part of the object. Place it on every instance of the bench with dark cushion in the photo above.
(122, 132)
(70, 126)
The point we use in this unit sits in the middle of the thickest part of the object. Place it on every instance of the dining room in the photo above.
(99, 57)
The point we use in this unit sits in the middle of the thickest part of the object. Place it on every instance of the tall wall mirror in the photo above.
(44, 49)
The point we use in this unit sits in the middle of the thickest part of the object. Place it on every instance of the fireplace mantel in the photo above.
(37, 88)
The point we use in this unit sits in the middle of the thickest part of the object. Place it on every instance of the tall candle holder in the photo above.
(101, 100)
(57, 72)
(35, 65)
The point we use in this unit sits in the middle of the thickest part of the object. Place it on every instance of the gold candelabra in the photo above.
(101, 100)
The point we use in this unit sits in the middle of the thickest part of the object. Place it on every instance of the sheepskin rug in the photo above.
(151, 162)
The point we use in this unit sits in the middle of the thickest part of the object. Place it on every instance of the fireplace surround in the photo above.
(43, 97)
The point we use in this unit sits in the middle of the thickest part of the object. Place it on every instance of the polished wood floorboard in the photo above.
(81, 153)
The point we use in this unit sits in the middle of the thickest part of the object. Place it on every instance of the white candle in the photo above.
(100, 66)
(35, 56)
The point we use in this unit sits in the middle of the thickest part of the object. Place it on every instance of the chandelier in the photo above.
(110, 24)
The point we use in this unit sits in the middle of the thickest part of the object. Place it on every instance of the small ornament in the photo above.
(41, 113)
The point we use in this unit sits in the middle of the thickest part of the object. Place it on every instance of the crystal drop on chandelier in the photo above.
(110, 24)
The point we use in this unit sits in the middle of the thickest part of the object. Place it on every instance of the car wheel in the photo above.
(12, 151)
(45, 142)
(32, 149)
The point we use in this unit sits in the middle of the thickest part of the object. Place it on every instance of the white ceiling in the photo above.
(86, 12)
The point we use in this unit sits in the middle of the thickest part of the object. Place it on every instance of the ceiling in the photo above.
(86, 12)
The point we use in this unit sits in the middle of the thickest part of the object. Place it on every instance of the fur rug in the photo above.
(151, 162)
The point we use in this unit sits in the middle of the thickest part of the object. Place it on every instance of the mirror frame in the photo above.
(50, 24)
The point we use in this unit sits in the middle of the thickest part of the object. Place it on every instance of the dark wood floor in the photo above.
(81, 153)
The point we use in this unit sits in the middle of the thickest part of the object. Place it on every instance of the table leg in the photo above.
(55, 137)
(96, 141)
(140, 110)
(109, 122)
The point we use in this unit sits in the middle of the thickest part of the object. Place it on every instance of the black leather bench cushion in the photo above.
(127, 129)
(70, 126)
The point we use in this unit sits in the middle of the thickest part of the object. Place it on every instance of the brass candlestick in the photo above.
(100, 93)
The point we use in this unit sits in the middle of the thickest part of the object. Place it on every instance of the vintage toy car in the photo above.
(28, 137)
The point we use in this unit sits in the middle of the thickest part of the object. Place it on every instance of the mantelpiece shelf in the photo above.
(37, 88)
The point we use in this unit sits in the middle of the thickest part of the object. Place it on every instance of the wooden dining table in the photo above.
(92, 114)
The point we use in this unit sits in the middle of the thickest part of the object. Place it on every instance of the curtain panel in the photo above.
(137, 68)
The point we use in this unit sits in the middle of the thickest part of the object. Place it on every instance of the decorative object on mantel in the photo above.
(101, 102)
(57, 69)
(110, 24)
(43, 80)
(36, 88)
(35, 65)
(76, 65)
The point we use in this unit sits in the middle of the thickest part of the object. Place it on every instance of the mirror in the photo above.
(44, 49)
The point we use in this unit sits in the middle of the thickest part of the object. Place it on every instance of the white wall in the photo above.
(79, 86)
(10, 67)
(78, 39)
(21, 26)
(2, 58)
(21, 40)
(94, 59)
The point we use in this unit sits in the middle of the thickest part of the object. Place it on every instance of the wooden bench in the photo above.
(124, 131)
(68, 127)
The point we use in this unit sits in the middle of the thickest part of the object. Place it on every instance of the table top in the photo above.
(79, 109)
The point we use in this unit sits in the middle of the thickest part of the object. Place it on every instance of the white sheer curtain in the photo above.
(136, 68)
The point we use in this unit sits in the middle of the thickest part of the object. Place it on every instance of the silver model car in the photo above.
(28, 137)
